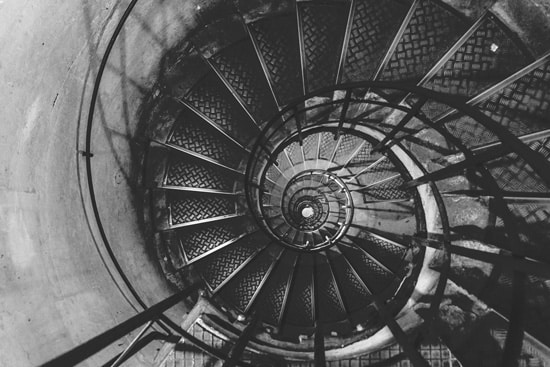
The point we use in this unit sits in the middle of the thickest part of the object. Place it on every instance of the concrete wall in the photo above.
(55, 287)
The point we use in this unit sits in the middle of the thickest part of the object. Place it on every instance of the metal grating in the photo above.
(533, 221)
(212, 98)
(186, 207)
(240, 67)
(219, 266)
(327, 295)
(432, 30)
(523, 106)
(353, 292)
(374, 276)
(193, 173)
(323, 27)
(381, 171)
(311, 143)
(196, 135)
(437, 355)
(300, 308)
(273, 173)
(295, 153)
(487, 57)
(198, 241)
(277, 41)
(241, 289)
(274, 296)
(363, 156)
(389, 190)
(187, 355)
(470, 132)
(348, 144)
(327, 145)
(387, 253)
(513, 173)
(374, 26)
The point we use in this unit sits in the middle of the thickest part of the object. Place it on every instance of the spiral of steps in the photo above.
(348, 175)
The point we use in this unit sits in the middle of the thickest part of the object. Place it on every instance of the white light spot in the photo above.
(494, 47)
(307, 212)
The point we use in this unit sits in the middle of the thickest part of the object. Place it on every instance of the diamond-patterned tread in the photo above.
(199, 240)
(381, 171)
(240, 290)
(469, 131)
(491, 54)
(194, 134)
(355, 296)
(295, 153)
(533, 220)
(300, 305)
(389, 190)
(212, 98)
(513, 173)
(219, 266)
(375, 24)
(272, 301)
(188, 172)
(186, 207)
(327, 297)
(277, 41)
(362, 157)
(389, 254)
(327, 145)
(311, 144)
(273, 173)
(347, 146)
(323, 30)
(239, 65)
(524, 105)
(431, 31)
(374, 276)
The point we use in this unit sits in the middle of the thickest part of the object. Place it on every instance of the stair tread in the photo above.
(374, 26)
(431, 31)
(240, 67)
(323, 30)
(488, 56)
(277, 41)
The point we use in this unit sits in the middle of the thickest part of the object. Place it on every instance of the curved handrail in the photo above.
(512, 142)
(88, 152)
(165, 323)
(542, 167)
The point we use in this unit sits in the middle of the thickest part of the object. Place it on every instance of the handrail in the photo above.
(88, 151)
(154, 313)
(139, 345)
(103, 340)
(513, 142)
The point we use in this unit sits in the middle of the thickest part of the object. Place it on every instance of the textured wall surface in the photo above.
(56, 290)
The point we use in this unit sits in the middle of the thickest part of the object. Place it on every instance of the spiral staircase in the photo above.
(357, 182)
